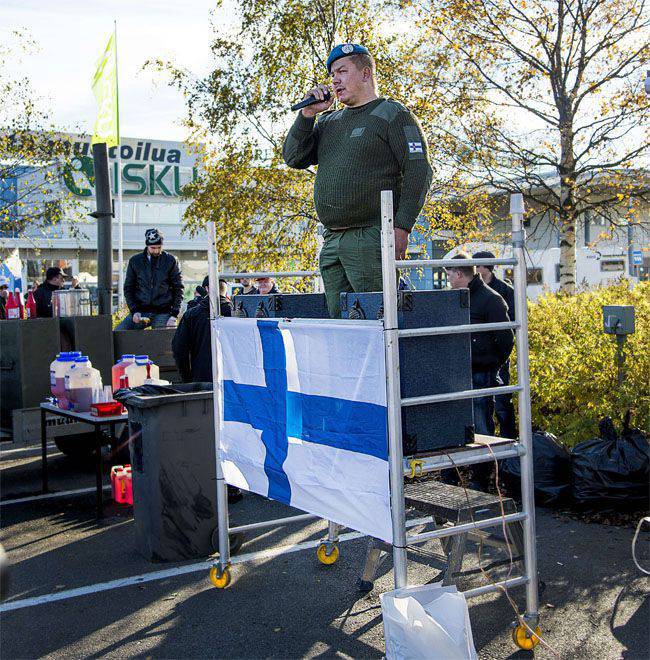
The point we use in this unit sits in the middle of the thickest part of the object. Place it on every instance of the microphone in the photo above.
(310, 100)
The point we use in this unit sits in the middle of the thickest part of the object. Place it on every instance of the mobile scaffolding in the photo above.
(526, 630)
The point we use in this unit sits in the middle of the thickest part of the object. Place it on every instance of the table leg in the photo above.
(43, 450)
(98, 451)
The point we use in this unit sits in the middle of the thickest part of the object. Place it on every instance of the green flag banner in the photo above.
(107, 124)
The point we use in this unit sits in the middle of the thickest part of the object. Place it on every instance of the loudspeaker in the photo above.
(28, 347)
(428, 365)
(281, 305)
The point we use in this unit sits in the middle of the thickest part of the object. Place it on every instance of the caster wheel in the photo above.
(220, 580)
(522, 637)
(327, 558)
(364, 586)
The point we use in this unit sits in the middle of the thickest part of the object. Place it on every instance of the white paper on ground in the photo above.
(430, 622)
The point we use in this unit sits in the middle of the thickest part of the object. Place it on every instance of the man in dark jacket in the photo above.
(191, 344)
(490, 350)
(503, 407)
(54, 278)
(199, 294)
(153, 287)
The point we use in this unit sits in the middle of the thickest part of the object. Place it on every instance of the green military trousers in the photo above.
(350, 261)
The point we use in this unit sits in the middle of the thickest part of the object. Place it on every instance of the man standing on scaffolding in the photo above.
(370, 145)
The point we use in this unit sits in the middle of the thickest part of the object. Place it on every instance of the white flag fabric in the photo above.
(304, 417)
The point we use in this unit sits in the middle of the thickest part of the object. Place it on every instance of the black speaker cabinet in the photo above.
(428, 365)
(281, 305)
(27, 348)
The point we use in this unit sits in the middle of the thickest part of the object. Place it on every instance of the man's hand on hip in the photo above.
(401, 241)
(171, 322)
(137, 318)
(318, 92)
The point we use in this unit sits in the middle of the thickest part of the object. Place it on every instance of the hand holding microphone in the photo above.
(318, 99)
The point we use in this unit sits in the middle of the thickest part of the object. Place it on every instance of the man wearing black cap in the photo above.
(503, 408)
(153, 286)
(370, 145)
(54, 278)
(191, 344)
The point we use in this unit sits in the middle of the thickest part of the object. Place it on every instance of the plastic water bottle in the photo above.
(30, 306)
(12, 308)
(119, 368)
(81, 383)
(137, 373)
(59, 369)
(19, 301)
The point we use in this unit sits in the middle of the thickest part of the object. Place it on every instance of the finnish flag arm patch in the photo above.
(414, 142)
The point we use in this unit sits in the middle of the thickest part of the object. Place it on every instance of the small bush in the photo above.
(573, 367)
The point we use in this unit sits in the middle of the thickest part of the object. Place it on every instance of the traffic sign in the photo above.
(637, 258)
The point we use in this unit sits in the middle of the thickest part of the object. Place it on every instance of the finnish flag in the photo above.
(304, 417)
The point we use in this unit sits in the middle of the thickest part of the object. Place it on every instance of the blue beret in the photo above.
(343, 50)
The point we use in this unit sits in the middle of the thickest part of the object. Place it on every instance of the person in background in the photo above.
(192, 347)
(54, 279)
(266, 286)
(199, 293)
(4, 294)
(247, 287)
(503, 406)
(490, 350)
(191, 344)
(153, 286)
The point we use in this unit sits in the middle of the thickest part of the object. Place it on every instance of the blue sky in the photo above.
(71, 34)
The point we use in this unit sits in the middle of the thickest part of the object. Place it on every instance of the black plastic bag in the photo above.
(612, 469)
(125, 394)
(551, 466)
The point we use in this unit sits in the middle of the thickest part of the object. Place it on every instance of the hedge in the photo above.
(573, 368)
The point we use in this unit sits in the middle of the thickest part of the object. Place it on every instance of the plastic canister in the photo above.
(137, 373)
(119, 368)
(81, 383)
(59, 369)
(122, 484)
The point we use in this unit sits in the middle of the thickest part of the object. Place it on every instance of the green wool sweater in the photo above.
(360, 152)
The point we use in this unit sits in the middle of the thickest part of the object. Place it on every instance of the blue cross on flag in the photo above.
(304, 417)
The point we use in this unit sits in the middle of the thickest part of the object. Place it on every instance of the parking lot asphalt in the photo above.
(595, 603)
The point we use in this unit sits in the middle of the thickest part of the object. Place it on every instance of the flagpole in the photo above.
(120, 251)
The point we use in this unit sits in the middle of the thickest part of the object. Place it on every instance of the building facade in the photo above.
(151, 173)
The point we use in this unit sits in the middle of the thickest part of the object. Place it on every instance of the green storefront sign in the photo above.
(142, 179)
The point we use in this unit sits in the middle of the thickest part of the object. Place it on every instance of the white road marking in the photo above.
(48, 496)
(163, 575)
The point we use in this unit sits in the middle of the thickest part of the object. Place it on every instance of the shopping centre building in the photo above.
(152, 173)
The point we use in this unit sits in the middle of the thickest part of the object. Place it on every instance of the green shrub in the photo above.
(573, 368)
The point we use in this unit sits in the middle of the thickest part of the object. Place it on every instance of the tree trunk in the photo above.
(567, 253)
(567, 210)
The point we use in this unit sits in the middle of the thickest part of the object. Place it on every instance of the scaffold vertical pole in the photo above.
(222, 489)
(525, 422)
(393, 393)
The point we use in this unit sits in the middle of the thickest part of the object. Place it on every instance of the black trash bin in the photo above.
(174, 471)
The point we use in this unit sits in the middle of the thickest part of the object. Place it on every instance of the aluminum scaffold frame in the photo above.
(399, 467)
(526, 630)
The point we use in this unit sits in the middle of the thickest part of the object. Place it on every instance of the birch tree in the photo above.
(566, 114)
